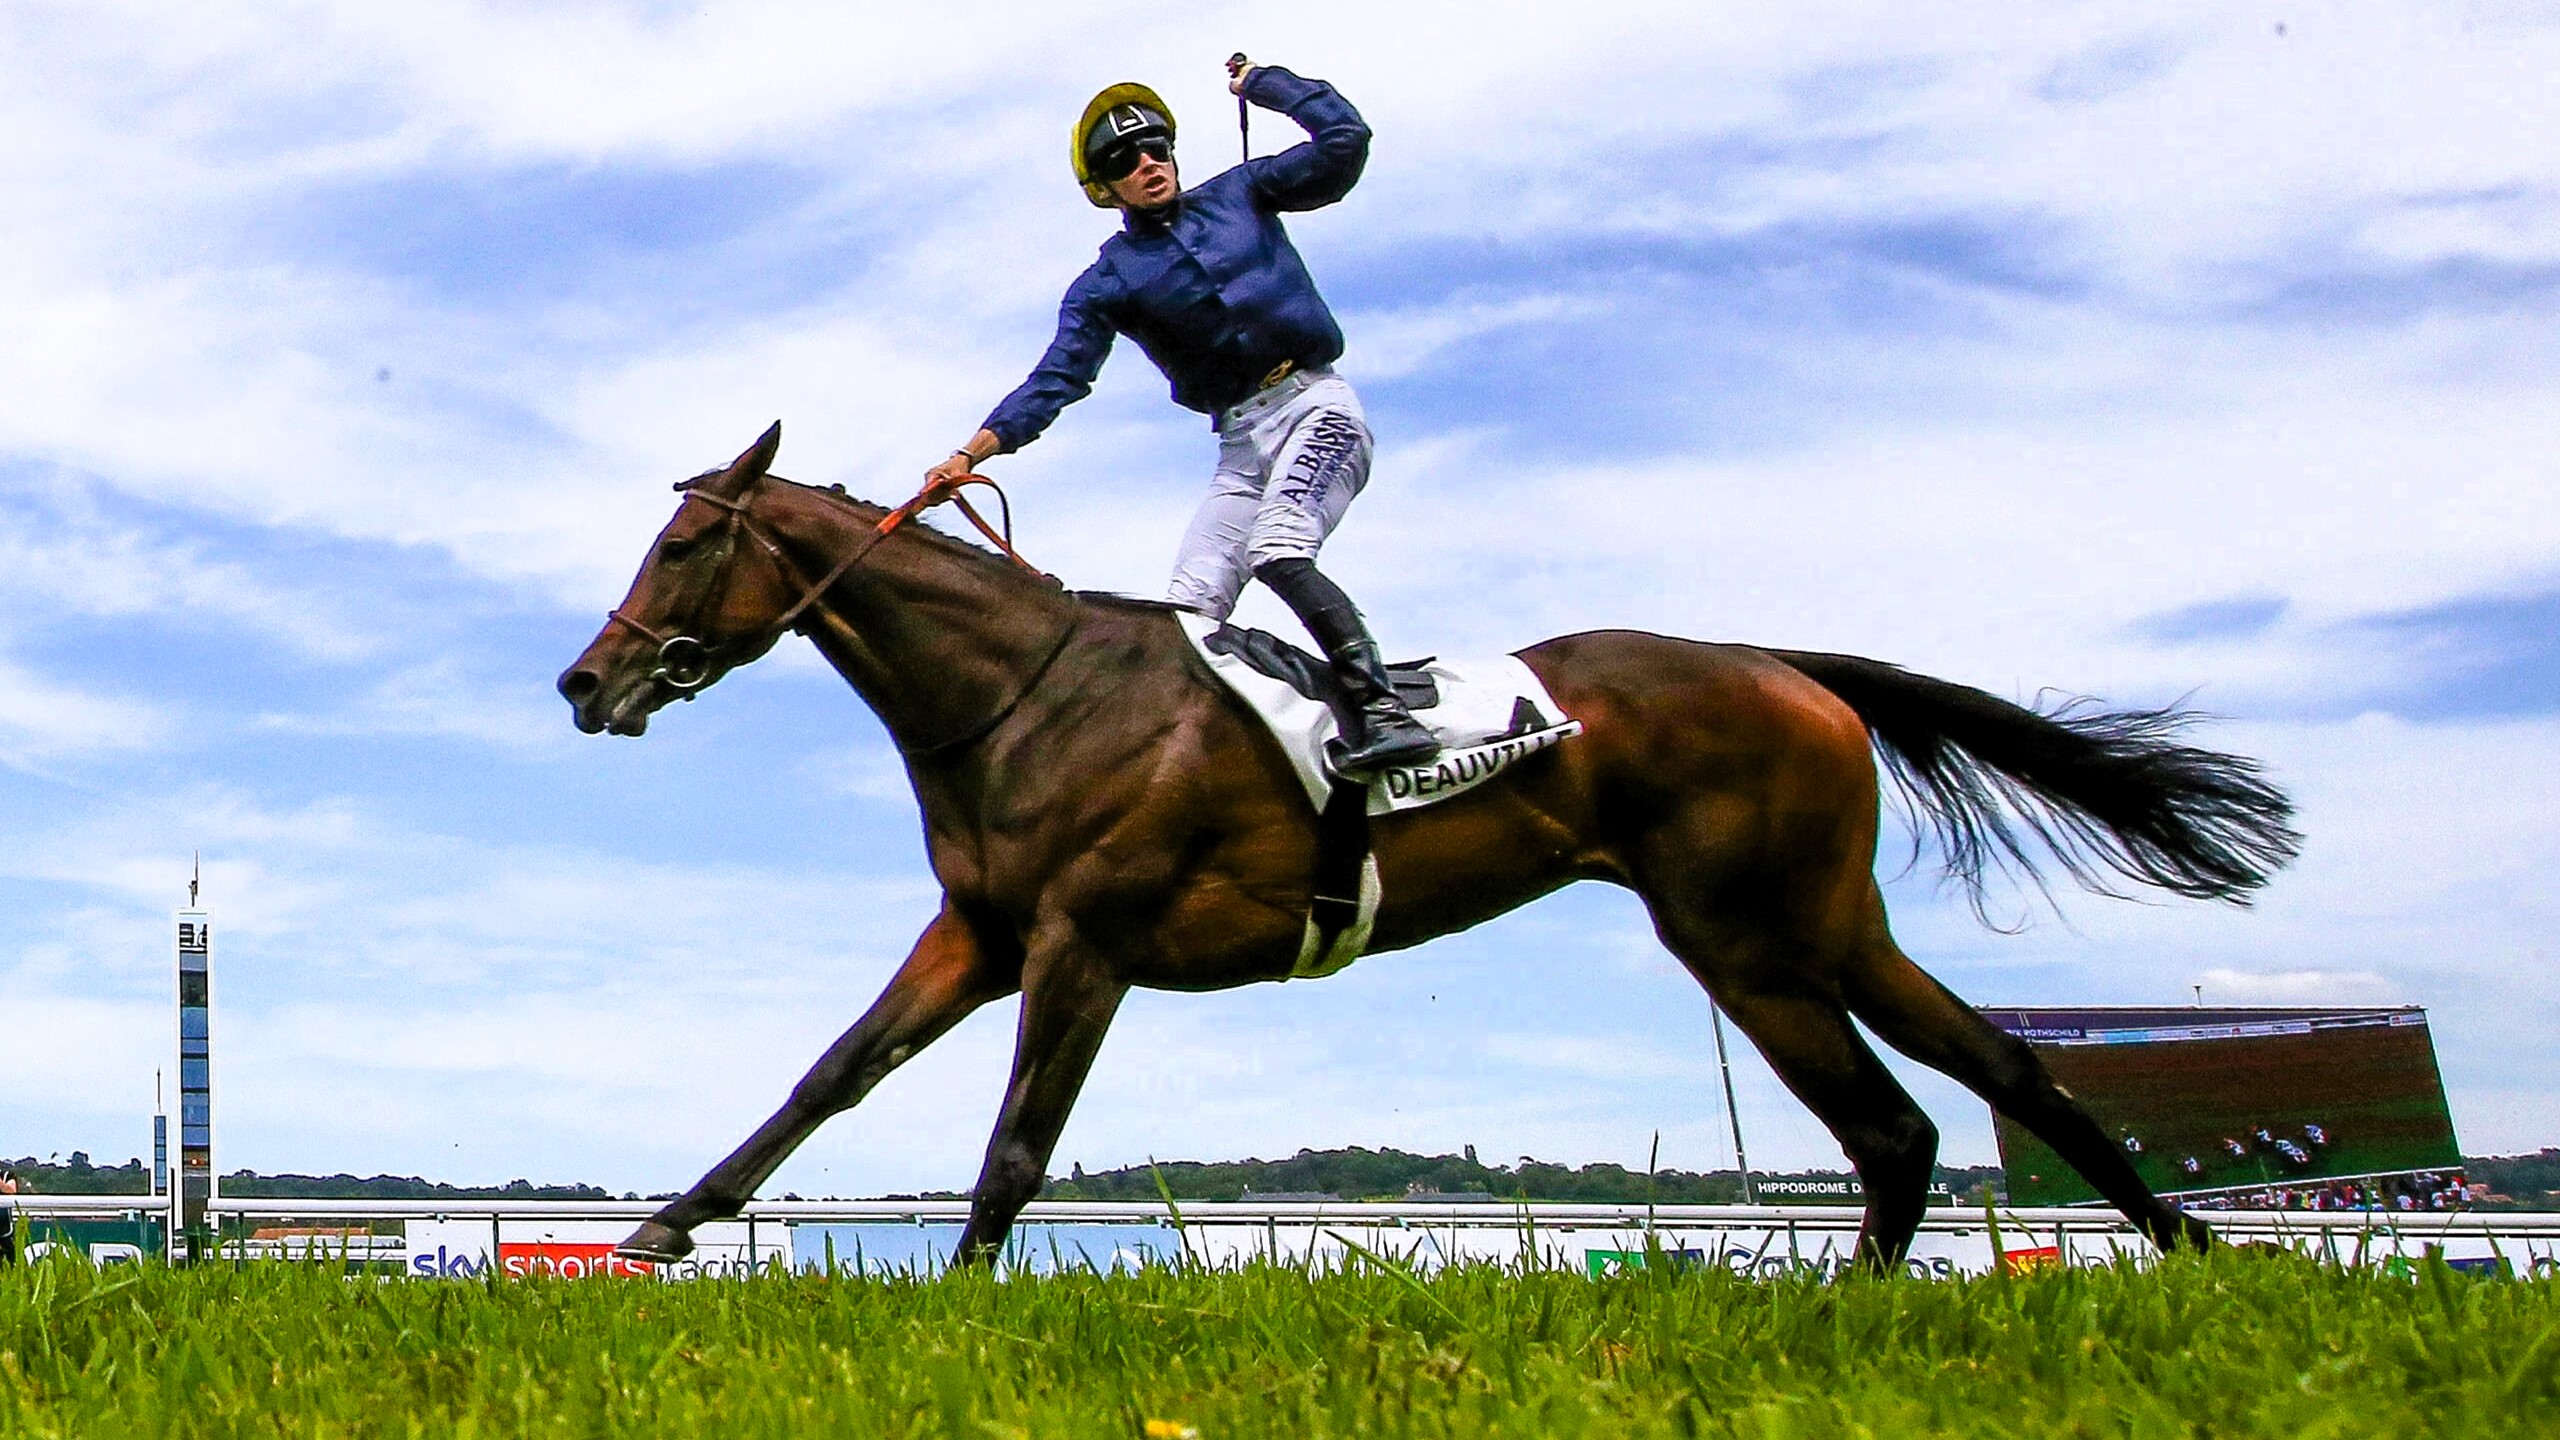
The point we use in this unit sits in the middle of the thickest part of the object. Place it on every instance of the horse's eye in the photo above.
(675, 549)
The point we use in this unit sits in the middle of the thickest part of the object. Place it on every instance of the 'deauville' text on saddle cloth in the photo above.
(1488, 715)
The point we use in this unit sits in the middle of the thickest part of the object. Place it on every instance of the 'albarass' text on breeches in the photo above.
(1290, 460)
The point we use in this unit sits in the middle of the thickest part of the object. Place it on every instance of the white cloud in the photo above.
(447, 985)
(245, 383)
(1599, 1057)
(2298, 987)
(1395, 343)
(442, 697)
(871, 772)
(42, 720)
(80, 1072)
(62, 551)
(2024, 545)
(1997, 491)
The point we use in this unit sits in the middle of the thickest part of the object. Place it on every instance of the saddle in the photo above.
(1488, 716)
(1313, 678)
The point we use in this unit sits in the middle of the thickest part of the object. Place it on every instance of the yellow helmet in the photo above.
(1146, 111)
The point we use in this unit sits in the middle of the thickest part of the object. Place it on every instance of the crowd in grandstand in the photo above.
(2262, 1149)
(2424, 1190)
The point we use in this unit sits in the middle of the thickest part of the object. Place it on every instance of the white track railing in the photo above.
(1757, 1239)
(1538, 1215)
(86, 1207)
(1543, 1217)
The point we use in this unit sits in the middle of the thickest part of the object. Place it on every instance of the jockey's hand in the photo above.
(1239, 69)
(945, 479)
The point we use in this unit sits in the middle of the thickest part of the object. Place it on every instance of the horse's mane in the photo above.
(959, 547)
(871, 513)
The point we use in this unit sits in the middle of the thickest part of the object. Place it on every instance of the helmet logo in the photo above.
(1122, 122)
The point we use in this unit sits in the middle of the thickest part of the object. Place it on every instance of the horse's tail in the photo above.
(2103, 790)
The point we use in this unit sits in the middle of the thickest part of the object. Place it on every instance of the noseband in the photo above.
(685, 663)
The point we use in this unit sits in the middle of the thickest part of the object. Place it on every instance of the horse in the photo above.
(1102, 813)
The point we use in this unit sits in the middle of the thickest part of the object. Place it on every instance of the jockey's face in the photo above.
(1152, 185)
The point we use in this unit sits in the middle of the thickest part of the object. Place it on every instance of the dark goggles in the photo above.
(1119, 160)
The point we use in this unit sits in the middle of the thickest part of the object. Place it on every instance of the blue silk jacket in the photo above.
(1209, 286)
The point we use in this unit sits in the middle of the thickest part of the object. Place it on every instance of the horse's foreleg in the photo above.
(944, 978)
(1919, 1017)
(1067, 1004)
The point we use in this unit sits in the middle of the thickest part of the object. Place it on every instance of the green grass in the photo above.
(2226, 1345)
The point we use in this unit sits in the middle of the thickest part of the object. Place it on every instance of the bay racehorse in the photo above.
(1101, 813)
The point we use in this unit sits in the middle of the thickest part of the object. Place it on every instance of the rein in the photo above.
(685, 663)
(924, 500)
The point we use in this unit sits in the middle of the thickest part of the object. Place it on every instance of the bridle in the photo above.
(686, 664)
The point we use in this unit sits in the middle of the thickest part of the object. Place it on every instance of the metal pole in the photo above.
(1732, 1112)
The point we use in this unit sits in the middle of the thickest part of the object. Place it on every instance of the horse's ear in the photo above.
(751, 464)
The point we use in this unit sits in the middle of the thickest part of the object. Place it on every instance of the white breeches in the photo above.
(1289, 462)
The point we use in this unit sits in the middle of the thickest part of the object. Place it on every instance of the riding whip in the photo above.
(1237, 65)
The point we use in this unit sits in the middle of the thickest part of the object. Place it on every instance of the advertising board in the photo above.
(581, 1250)
(2267, 1106)
(1039, 1248)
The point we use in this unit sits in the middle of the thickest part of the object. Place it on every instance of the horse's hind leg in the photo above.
(1806, 1037)
(944, 978)
(1924, 1020)
(1888, 1138)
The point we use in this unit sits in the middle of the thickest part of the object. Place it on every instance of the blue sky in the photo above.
(2138, 351)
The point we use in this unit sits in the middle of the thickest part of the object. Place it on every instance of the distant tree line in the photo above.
(2529, 1182)
(2518, 1181)
(80, 1176)
(2524, 1181)
(1358, 1174)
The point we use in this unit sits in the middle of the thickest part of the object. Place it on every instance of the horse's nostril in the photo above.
(580, 686)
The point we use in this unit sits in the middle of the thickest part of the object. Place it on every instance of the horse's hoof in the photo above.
(655, 1244)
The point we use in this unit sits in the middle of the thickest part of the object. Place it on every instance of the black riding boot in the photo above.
(1379, 731)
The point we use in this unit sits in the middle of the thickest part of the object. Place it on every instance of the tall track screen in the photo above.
(2237, 1101)
(194, 1175)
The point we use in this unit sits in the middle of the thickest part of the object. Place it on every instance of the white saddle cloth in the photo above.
(1490, 715)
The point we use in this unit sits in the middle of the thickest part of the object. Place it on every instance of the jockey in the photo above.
(1207, 283)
